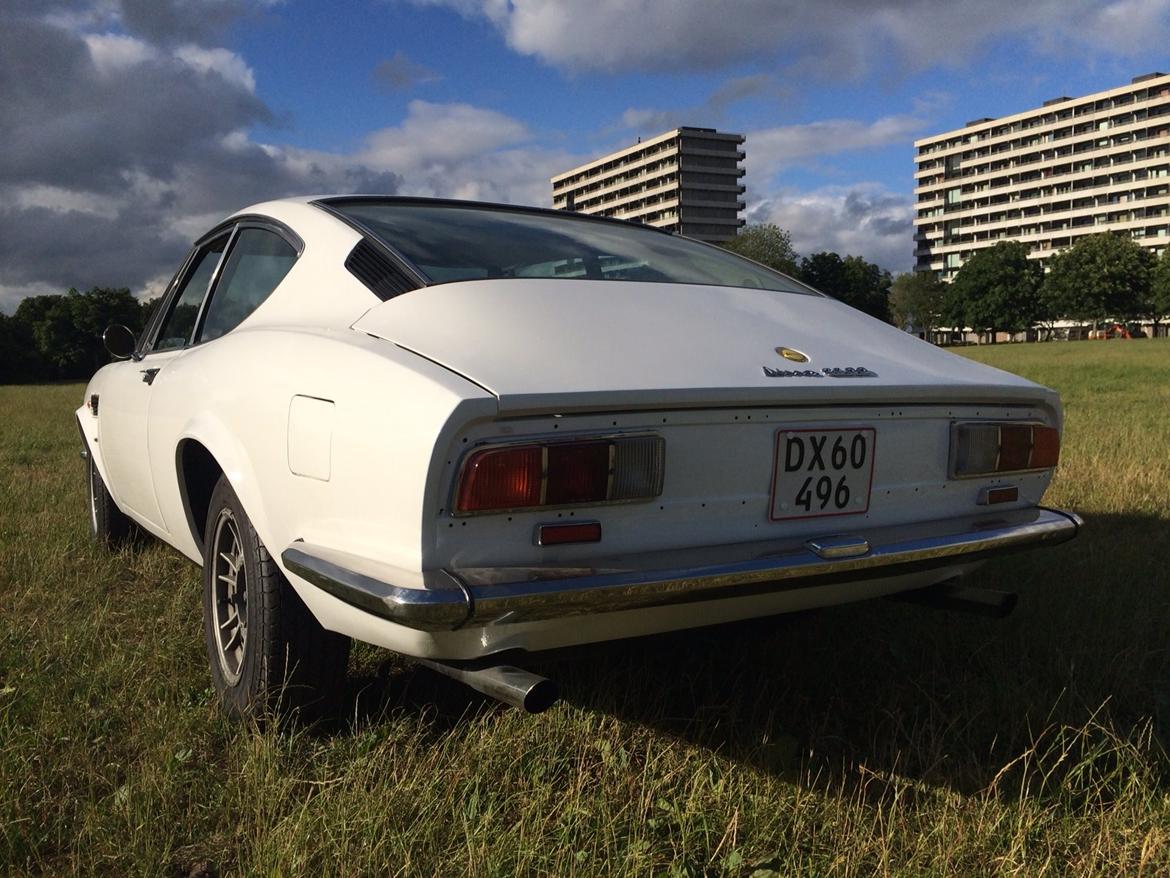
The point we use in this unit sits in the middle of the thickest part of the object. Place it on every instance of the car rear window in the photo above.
(448, 242)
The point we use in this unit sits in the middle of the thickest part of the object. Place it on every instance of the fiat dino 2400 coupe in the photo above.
(464, 432)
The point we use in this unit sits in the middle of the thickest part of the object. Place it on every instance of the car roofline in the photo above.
(332, 201)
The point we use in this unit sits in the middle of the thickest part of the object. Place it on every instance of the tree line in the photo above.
(1100, 278)
(59, 337)
(851, 279)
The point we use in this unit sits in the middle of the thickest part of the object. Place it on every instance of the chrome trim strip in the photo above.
(839, 546)
(507, 595)
(444, 605)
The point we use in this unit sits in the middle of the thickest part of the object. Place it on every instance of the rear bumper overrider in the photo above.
(478, 596)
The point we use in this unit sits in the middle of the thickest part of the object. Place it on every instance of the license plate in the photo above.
(822, 472)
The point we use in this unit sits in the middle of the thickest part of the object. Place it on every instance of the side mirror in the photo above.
(119, 341)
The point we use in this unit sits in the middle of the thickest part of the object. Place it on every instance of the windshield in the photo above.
(454, 242)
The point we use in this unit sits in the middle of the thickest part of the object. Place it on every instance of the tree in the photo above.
(867, 287)
(916, 301)
(19, 358)
(997, 289)
(860, 284)
(1159, 306)
(767, 244)
(824, 271)
(1100, 277)
(61, 335)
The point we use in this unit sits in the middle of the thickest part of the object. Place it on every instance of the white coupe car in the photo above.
(465, 432)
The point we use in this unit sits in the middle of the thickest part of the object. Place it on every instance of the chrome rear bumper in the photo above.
(496, 595)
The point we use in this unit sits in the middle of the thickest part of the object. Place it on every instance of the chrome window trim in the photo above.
(232, 226)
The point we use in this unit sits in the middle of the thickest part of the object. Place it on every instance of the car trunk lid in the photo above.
(573, 345)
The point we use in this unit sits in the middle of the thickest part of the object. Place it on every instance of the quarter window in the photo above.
(180, 323)
(257, 262)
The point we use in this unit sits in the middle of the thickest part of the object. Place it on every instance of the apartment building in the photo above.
(1072, 167)
(686, 180)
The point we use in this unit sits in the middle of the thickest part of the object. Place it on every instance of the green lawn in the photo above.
(872, 739)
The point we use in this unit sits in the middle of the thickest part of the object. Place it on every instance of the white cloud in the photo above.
(434, 135)
(707, 113)
(1135, 25)
(227, 64)
(462, 151)
(55, 198)
(115, 52)
(865, 219)
(832, 38)
(773, 149)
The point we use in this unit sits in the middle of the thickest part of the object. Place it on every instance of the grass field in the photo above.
(875, 739)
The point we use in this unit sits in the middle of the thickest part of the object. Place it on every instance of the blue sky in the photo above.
(154, 118)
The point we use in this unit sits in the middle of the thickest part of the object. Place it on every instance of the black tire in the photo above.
(108, 525)
(284, 663)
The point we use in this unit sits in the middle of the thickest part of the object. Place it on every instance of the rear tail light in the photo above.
(982, 449)
(503, 478)
(561, 474)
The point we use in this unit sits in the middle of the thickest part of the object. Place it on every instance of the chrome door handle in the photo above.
(148, 375)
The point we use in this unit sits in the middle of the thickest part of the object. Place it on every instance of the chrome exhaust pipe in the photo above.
(511, 685)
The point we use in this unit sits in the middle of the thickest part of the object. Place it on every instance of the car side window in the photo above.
(180, 322)
(257, 263)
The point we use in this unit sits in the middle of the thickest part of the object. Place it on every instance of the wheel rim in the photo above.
(93, 522)
(230, 593)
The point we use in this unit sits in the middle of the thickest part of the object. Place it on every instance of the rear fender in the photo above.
(236, 465)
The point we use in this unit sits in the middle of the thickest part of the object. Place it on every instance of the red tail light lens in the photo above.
(987, 448)
(561, 474)
(502, 478)
(578, 473)
(1045, 447)
(1015, 448)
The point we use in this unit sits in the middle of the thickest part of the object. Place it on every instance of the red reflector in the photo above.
(991, 496)
(1045, 447)
(501, 478)
(578, 472)
(1015, 447)
(577, 532)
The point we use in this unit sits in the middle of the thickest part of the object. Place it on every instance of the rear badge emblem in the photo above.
(791, 355)
(828, 372)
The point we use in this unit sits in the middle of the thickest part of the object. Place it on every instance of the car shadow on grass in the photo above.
(883, 688)
(891, 689)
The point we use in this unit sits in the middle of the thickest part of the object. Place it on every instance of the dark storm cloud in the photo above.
(68, 124)
(882, 214)
(862, 205)
(399, 73)
(80, 249)
(182, 21)
(101, 161)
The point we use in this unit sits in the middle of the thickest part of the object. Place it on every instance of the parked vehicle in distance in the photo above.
(465, 432)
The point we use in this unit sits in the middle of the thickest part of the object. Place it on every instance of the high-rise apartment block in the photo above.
(1073, 167)
(686, 180)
